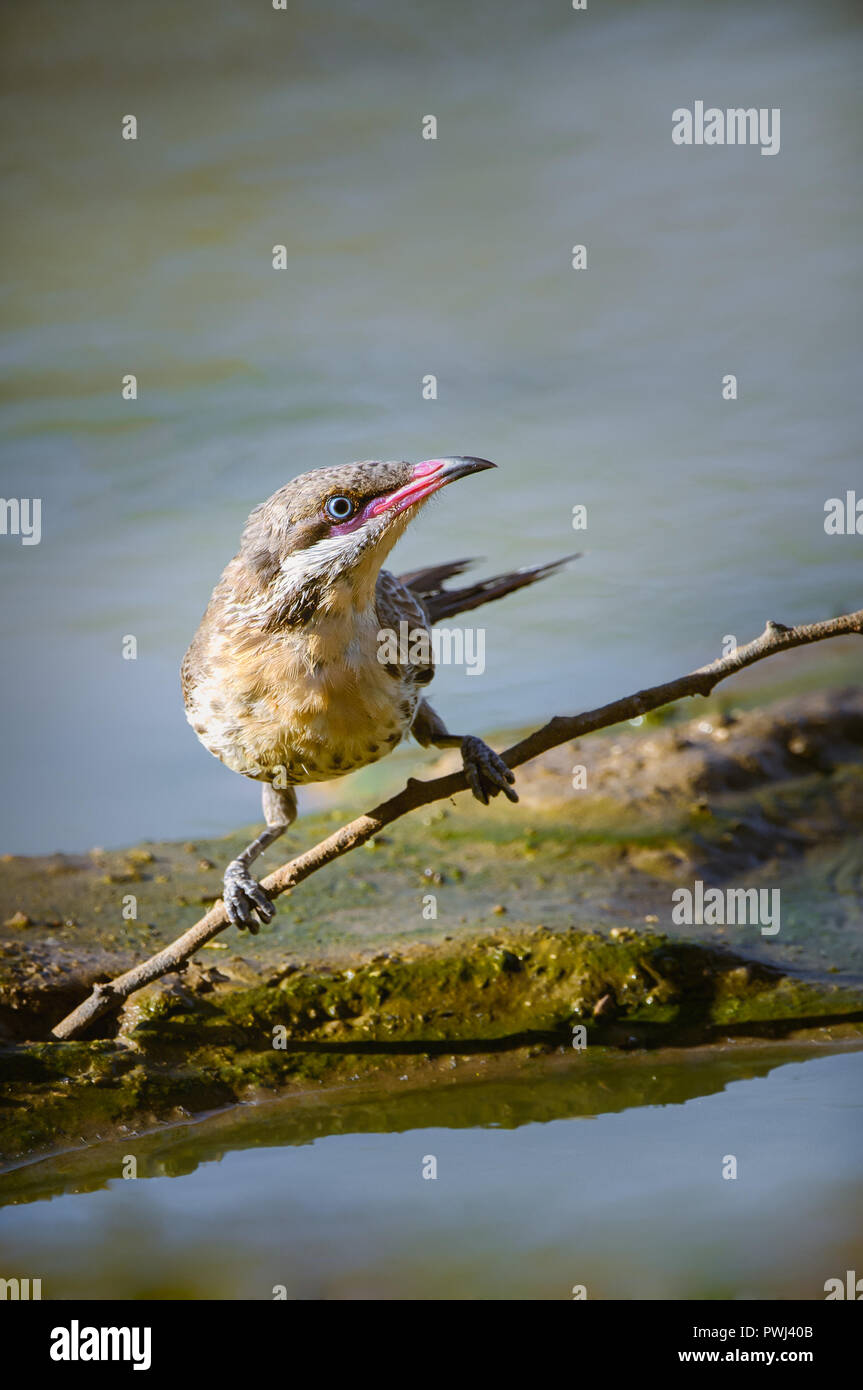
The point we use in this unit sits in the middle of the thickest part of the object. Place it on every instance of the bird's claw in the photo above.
(243, 896)
(486, 771)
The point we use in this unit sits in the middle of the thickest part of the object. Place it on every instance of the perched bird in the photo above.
(284, 680)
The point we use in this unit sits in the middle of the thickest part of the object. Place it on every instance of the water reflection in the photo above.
(326, 1197)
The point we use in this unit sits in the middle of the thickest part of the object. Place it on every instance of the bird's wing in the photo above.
(396, 603)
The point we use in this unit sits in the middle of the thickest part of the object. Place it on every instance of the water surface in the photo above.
(605, 1173)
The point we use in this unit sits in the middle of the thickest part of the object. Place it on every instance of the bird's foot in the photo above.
(486, 772)
(243, 896)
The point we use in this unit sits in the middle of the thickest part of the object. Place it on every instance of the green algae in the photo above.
(519, 993)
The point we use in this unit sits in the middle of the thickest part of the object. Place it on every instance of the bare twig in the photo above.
(775, 638)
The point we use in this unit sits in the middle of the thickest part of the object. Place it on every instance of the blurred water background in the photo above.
(409, 257)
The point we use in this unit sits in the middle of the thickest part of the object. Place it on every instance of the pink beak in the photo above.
(428, 477)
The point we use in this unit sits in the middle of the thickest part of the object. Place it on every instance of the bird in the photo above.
(287, 680)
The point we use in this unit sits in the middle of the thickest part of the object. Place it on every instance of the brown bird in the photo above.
(288, 680)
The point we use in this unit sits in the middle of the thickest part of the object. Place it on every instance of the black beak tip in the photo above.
(459, 466)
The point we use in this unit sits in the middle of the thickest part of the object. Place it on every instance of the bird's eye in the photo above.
(340, 508)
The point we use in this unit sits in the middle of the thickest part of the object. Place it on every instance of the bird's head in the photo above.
(320, 541)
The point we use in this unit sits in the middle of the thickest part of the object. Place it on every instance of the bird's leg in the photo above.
(243, 895)
(486, 772)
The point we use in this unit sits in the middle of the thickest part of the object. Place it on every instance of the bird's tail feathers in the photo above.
(440, 602)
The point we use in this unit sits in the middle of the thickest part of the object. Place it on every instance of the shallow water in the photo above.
(405, 258)
(606, 1174)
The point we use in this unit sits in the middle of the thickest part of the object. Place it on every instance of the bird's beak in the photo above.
(428, 477)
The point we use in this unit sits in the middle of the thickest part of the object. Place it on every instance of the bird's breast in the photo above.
(305, 707)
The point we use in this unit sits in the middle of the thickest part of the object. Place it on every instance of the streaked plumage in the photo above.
(283, 680)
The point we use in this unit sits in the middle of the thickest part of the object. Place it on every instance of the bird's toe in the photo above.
(243, 897)
(487, 773)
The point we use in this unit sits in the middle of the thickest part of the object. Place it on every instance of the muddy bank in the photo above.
(461, 931)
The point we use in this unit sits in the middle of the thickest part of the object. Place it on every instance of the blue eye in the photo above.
(340, 508)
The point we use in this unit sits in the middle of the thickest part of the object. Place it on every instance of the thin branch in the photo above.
(775, 638)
